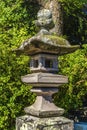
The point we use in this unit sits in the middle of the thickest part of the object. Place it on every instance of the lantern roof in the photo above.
(51, 44)
(45, 41)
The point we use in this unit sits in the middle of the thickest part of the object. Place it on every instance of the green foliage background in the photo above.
(17, 24)
(74, 94)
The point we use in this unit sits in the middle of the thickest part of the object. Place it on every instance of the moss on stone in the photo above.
(58, 40)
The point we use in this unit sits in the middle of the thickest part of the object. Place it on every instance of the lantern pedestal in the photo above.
(43, 106)
(44, 114)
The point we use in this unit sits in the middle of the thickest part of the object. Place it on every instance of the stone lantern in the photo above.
(44, 49)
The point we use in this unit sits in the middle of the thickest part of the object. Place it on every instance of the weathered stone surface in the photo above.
(44, 41)
(44, 79)
(52, 123)
(45, 115)
(44, 63)
(46, 44)
(45, 13)
(43, 106)
(44, 19)
(57, 15)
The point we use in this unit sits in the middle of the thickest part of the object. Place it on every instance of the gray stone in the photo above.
(44, 63)
(34, 123)
(44, 41)
(43, 106)
(44, 48)
(45, 19)
(50, 44)
(44, 13)
(44, 79)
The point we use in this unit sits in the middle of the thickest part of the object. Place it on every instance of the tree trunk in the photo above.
(55, 7)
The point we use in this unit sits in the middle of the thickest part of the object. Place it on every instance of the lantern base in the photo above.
(52, 123)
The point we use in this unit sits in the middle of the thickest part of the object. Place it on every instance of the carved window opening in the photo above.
(48, 63)
(35, 63)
